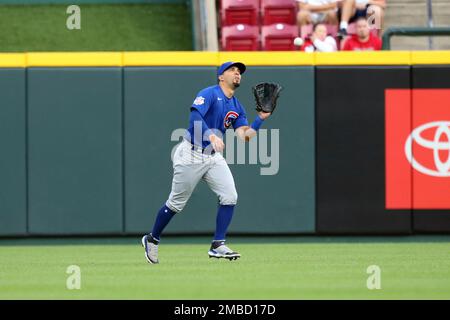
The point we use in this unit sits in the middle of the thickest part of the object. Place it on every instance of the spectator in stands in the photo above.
(317, 11)
(319, 40)
(351, 10)
(363, 39)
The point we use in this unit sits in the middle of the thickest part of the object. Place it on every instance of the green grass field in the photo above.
(134, 27)
(270, 268)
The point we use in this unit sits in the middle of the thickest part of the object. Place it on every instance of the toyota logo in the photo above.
(442, 169)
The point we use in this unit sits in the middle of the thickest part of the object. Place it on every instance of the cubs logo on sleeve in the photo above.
(199, 101)
(229, 118)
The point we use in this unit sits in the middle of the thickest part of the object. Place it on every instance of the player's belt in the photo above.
(202, 150)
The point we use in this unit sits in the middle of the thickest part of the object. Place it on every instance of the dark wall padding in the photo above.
(350, 150)
(432, 77)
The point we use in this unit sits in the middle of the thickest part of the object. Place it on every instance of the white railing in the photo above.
(430, 22)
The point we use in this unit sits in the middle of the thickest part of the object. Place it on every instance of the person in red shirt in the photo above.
(363, 40)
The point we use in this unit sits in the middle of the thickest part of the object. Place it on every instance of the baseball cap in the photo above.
(230, 64)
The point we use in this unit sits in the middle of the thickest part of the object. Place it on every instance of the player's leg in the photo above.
(150, 241)
(186, 176)
(220, 180)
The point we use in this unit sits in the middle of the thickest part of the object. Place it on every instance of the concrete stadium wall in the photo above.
(86, 149)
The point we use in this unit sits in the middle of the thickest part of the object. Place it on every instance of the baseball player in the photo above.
(198, 156)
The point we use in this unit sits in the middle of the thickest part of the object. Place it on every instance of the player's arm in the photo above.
(245, 133)
(216, 142)
(198, 109)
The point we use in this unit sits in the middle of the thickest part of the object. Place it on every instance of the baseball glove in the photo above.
(266, 95)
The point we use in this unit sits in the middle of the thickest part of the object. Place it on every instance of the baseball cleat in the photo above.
(151, 248)
(220, 250)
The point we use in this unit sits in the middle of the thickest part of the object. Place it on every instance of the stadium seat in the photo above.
(332, 30)
(278, 11)
(306, 30)
(240, 37)
(240, 12)
(351, 28)
(278, 37)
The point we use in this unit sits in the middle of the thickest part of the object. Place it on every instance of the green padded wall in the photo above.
(157, 101)
(77, 139)
(13, 216)
(75, 150)
(284, 202)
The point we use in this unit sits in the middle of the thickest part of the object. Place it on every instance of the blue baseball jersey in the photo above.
(218, 111)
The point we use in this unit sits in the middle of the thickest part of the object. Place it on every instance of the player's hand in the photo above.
(264, 115)
(216, 143)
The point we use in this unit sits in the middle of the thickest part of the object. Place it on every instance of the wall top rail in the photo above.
(412, 32)
(193, 58)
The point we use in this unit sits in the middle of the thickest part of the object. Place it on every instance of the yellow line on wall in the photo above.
(192, 58)
(171, 58)
(265, 58)
(430, 57)
(363, 58)
(10, 60)
(74, 59)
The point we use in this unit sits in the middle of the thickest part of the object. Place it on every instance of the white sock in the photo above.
(343, 25)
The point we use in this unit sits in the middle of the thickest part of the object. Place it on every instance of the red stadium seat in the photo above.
(278, 11)
(240, 37)
(240, 12)
(351, 28)
(332, 30)
(278, 37)
(306, 30)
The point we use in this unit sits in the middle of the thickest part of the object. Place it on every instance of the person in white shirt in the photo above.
(320, 41)
(317, 11)
(351, 10)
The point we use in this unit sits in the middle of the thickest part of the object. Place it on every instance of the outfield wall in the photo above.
(86, 141)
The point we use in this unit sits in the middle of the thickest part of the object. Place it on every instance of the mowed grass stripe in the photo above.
(266, 271)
